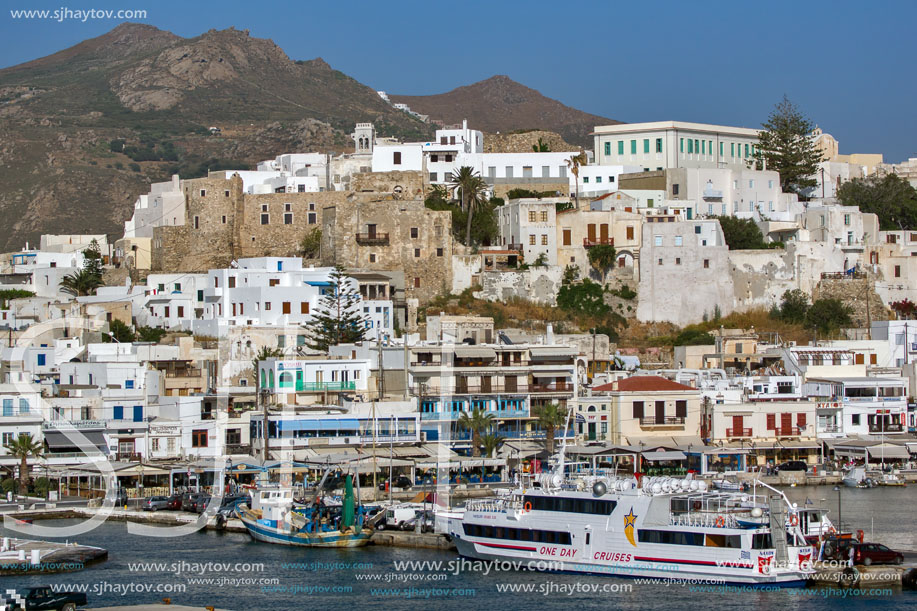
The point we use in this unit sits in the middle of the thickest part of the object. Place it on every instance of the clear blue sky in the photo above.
(848, 65)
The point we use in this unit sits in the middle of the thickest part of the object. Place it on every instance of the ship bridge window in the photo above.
(517, 534)
(761, 541)
(670, 537)
(571, 505)
(734, 541)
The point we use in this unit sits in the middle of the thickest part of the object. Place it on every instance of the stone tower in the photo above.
(363, 138)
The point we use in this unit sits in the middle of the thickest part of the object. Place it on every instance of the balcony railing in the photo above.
(738, 432)
(516, 247)
(889, 427)
(652, 421)
(588, 243)
(475, 389)
(372, 239)
(318, 386)
(831, 428)
(182, 373)
(787, 431)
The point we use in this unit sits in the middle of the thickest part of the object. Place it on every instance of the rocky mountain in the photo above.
(85, 130)
(500, 104)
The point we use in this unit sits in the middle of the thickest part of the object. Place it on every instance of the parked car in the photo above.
(155, 503)
(426, 518)
(200, 503)
(793, 465)
(396, 516)
(869, 553)
(43, 598)
(188, 499)
(175, 502)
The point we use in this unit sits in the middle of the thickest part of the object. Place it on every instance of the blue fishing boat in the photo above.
(274, 517)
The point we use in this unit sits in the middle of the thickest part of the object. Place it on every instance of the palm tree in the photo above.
(81, 283)
(550, 416)
(22, 448)
(574, 163)
(463, 181)
(477, 422)
(602, 257)
(492, 443)
(477, 197)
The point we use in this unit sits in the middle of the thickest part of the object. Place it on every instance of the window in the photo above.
(703, 147)
(646, 146)
(439, 252)
(633, 147)
(770, 185)
(544, 240)
(630, 233)
(265, 219)
(416, 253)
(721, 148)
(598, 179)
(286, 307)
(128, 383)
(658, 145)
(197, 224)
(678, 240)
(303, 307)
(897, 271)
(433, 176)
(509, 171)
(855, 419)
(414, 233)
(585, 180)
(732, 149)
(746, 150)
(41, 360)
(751, 184)
(649, 203)
(675, 189)
(416, 282)
(232, 282)
(620, 147)
(847, 221)
(660, 261)
(138, 413)
(267, 306)
(533, 216)
(199, 439)
(23, 406)
(312, 218)
(657, 240)
(434, 158)
(696, 146)
(223, 219)
(677, 261)
(117, 412)
(568, 238)
(287, 218)
(233, 436)
(544, 216)
(681, 145)
(608, 148)
(203, 192)
(706, 263)
(372, 258)
(545, 171)
(531, 240)
(396, 158)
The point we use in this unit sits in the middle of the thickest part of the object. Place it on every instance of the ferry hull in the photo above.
(644, 569)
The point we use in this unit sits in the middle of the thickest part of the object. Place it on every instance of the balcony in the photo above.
(736, 433)
(787, 431)
(516, 247)
(556, 387)
(319, 386)
(590, 242)
(831, 428)
(424, 390)
(182, 373)
(372, 239)
(668, 420)
(888, 427)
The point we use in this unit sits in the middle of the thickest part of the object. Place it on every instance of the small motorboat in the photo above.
(890, 479)
(856, 478)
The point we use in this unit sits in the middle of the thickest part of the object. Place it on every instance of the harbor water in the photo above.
(230, 571)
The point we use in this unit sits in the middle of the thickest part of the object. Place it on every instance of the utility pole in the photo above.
(262, 395)
(375, 482)
(869, 317)
(381, 367)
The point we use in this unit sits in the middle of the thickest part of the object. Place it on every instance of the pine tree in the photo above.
(337, 319)
(92, 260)
(786, 146)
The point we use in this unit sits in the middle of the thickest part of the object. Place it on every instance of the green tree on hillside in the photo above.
(786, 146)
(574, 164)
(741, 234)
(890, 197)
(602, 258)
(828, 316)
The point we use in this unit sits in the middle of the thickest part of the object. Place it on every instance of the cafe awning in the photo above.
(663, 455)
(61, 440)
(888, 451)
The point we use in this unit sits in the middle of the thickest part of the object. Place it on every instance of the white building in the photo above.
(163, 205)
(530, 225)
(272, 291)
(661, 145)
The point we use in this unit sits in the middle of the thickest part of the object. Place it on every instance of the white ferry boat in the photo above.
(673, 529)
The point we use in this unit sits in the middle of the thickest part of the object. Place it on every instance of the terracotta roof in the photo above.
(643, 384)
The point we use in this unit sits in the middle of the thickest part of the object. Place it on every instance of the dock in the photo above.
(874, 576)
(32, 557)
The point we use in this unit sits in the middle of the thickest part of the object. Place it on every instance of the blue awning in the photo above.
(319, 283)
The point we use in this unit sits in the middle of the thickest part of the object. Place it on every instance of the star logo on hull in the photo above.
(629, 521)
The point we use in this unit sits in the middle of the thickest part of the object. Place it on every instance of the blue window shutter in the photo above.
(118, 412)
(128, 383)
(41, 360)
(138, 413)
